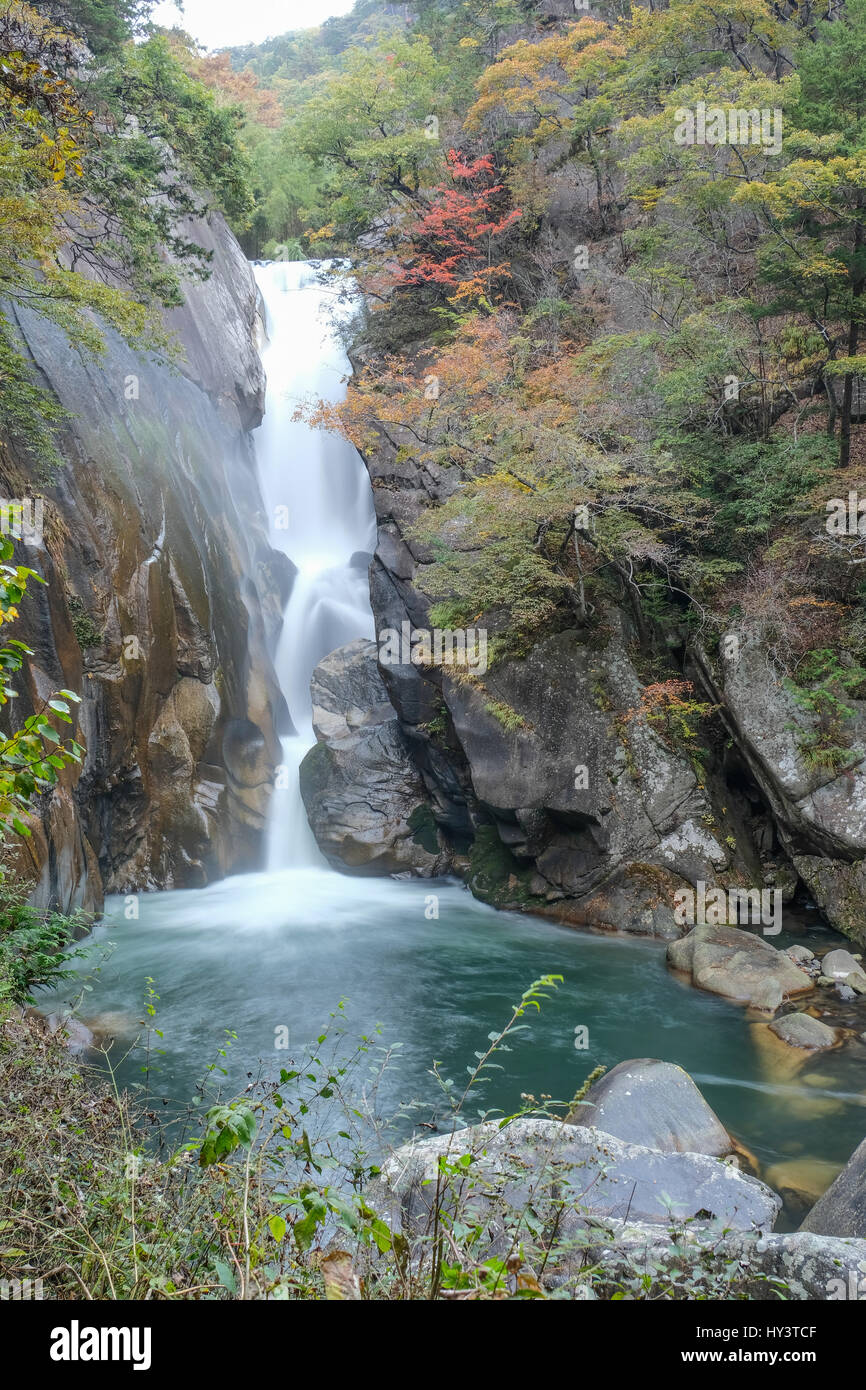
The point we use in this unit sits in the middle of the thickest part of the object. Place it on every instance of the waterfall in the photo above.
(320, 514)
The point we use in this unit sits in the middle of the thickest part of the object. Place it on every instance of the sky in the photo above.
(221, 23)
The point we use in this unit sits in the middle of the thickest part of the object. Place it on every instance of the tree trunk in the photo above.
(853, 340)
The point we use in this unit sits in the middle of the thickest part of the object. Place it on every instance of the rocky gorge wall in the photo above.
(537, 784)
(162, 602)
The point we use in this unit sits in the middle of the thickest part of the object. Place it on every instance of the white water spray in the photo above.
(320, 513)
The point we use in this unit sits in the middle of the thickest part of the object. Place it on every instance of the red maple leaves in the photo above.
(451, 243)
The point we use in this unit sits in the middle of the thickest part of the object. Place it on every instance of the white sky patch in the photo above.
(225, 23)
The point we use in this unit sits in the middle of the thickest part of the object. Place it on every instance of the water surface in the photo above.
(273, 951)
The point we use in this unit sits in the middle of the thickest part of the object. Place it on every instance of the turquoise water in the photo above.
(278, 951)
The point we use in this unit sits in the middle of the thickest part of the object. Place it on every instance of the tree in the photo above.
(555, 90)
(372, 128)
(105, 24)
(450, 245)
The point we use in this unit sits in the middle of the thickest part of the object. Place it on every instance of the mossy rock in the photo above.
(495, 876)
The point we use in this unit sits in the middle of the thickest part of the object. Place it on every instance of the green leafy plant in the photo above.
(33, 945)
(820, 689)
(31, 758)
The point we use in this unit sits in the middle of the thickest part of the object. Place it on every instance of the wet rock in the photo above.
(842, 1209)
(734, 963)
(839, 888)
(802, 1030)
(823, 815)
(365, 800)
(656, 1104)
(75, 1035)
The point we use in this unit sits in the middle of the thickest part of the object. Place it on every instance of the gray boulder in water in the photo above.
(656, 1104)
(738, 965)
(802, 1030)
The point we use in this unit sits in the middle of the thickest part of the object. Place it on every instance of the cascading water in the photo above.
(320, 513)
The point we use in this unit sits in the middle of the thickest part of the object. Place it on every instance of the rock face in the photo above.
(364, 797)
(842, 1209)
(561, 808)
(568, 805)
(737, 965)
(839, 889)
(552, 791)
(819, 814)
(163, 597)
(801, 1030)
(609, 818)
(655, 1104)
(581, 1172)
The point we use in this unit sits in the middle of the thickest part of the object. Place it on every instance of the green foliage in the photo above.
(228, 1126)
(509, 718)
(29, 415)
(105, 24)
(288, 191)
(101, 168)
(33, 946)
(31, 758)
(822, 689)
(366, 128)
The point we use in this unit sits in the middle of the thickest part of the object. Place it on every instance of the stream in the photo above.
(270, 955)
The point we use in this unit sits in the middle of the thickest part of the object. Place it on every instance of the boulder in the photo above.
(75, 1035)
(738, 965)
(578, 1175)
(613, 819)
(800, 955)
(765, 1267)
(842, 1209)
(802, 1030)
(841, 965)
(364, 797)
(656, 1104)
